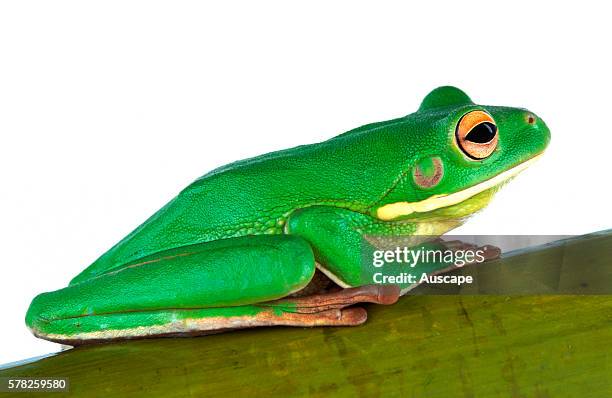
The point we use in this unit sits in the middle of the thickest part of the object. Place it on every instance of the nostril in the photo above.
(531, 119)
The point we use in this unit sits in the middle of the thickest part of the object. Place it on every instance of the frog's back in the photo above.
(255, 196)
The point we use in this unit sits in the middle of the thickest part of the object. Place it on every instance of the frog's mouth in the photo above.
(402, 209)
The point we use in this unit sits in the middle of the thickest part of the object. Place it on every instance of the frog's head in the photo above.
(465, 153)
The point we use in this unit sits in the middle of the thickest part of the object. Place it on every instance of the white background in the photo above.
(108, 109)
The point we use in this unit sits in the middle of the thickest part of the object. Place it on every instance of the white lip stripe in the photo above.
(398, 209)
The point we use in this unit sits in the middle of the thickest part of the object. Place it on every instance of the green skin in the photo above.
(252, 232)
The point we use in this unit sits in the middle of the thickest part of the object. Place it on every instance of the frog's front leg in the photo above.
(197, 289)
(339, 238)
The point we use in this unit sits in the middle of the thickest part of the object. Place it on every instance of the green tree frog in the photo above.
(276, 239)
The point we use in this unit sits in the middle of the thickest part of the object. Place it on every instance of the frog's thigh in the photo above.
(197, 288)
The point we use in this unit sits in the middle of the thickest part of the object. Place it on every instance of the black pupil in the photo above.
(482, 133)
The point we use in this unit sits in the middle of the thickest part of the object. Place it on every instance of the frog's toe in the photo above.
(490, 252)
(353, 316)
(339, 317)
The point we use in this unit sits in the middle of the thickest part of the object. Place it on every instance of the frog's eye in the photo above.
(476, 134)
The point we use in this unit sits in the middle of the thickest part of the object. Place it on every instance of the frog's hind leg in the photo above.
(200, 289)
(325, 309)
(197, 288)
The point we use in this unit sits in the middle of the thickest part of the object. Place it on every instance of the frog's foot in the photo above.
(331, 317)
(328, 309)
(377, 294)
(491, 252)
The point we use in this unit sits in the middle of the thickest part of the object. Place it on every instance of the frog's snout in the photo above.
(538, 130)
